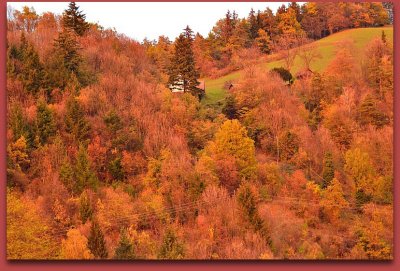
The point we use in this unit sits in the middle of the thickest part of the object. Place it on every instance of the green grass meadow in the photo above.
(359, 38)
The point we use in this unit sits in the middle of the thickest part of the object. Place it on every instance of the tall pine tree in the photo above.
(65, 65)
(67, 48)
(45, 124)
(96, 242)
(171, 248)
(252, 19)
(19, 124)
(31, 73)
(85, 208)
(74, 19)
(124, 251)
(75, 121)
(328, 172)
(182, 72)
(85, 177)
(369, 113)
(248, 204)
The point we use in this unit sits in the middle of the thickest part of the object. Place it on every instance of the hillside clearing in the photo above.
(359, 38)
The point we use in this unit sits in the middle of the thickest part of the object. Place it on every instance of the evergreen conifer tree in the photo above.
(67, 175)
(116, 170)
(84, 175)
(12, 55)
(31, 74)
(328, 172)
(125, 250)
(67, 48)
(45, 123)
(19, 125)
(74, 19)
(230, 108)
(85, 209)
(182, 72)
(64, 64)
(75, 120)
(252, 19)
(171, 248)
(96, 242)
(248, 204)
(369, 113)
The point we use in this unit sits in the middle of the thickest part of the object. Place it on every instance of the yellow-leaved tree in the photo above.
(75, 246)
(27, 236)
(234, 151)
(359, 167)
(333, 201)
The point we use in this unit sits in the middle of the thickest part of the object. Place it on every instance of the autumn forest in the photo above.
(269, 138)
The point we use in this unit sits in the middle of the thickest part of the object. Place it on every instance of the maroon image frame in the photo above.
(150, 265)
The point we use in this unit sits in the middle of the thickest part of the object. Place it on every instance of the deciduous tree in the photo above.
(75, 246)
(231, 139)
(27, 230)
(333, 201)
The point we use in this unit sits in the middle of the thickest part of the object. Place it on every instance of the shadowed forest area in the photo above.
(270, 138)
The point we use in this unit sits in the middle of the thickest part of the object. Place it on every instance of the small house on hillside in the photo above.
(178, 88)
(202, 85)
(228, 85)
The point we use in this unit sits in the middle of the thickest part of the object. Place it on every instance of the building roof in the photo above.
(202, 85)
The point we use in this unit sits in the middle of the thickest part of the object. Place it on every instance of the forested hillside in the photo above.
(286, 155)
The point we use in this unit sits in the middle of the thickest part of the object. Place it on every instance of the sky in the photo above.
(139, 20)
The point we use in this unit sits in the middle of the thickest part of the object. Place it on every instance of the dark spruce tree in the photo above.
(328, 172)
(96, 242)
(252, 19)
(230, 108)
(84, 176)
(85, 208)
(67, 175)
(75, 121)
(125, 250)
(74, 19)
(65, 65)
(248, 205)
(67, 48)
(113, 121)
(19, 124)
(116, 169)
(171, 248)
(182, 72)
(31, 73)
(45, 124)
(369, 113)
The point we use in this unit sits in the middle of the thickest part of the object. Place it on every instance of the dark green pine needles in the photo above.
(96, 242)
(182, 72)
(74, 19)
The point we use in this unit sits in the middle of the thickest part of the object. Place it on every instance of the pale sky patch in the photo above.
(139, 20)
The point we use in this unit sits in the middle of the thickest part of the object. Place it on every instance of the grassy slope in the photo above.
(326, 46)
